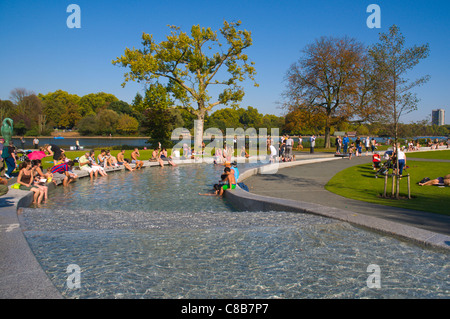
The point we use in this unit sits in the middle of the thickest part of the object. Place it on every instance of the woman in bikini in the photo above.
(26, 181)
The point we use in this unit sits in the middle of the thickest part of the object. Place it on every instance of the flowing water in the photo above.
(148, 234)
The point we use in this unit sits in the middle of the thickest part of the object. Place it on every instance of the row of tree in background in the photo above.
(154, 114)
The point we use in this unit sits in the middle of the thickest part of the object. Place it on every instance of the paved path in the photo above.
(306, 183)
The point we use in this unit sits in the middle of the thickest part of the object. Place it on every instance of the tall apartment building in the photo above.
(438, 117)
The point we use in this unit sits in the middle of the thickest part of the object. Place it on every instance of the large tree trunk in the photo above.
(327, 143)
(198, 131)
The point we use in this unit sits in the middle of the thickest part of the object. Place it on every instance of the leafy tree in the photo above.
(301, 121)
(391, 63)
(158, 120)
(107, 121)
(88, 125)
(138, 103)
(6, 109)
(270, 121)
(93, 102)
(122, 107)
(191, 64)
(127, 124)
(326, 79)
(251, 118)
(223, 119)
(25, 110)
(61, 108)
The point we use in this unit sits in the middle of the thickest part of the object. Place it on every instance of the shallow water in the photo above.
(149, 189)
(147, 241)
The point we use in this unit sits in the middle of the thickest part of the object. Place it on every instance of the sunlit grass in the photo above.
(359, 182)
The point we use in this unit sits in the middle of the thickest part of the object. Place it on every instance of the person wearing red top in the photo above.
(376, 160)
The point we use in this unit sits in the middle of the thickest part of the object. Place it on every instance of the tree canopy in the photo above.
(191, 63)
(325, 80)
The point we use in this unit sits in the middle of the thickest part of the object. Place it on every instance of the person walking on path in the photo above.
(9, 157)
(345, 142)
(312, 144)
(367, 145)
(289, 146)
(338, 145)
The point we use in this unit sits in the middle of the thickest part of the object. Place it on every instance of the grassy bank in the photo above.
(445, 155)
(359, 182)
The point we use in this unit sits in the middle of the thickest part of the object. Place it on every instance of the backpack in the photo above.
(5, 152)
(243, 186)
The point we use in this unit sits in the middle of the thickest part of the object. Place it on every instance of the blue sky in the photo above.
(40, 53)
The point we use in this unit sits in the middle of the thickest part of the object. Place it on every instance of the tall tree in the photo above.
(326, 79)
(92, 103)
(191, 64)
(61, 108)
(391, 63)
(6, 109)
(158, 120)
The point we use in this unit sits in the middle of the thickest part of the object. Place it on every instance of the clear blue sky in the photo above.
(40, 53)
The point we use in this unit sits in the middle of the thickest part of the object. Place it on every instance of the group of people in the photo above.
(286, 148)
(228, 179)
(346, 146)
(391, 157)
(97, 165)
(223, 155)
(32, 178)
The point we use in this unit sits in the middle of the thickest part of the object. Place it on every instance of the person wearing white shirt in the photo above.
(401, 158)
(367, 145)
(273, 153)
(312, 144)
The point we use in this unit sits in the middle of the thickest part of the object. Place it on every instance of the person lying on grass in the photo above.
(440, 181)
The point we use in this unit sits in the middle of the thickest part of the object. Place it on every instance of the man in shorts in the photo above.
(230, 181)
(121, 160)
(85, 165)
(64, 172)
(134, 158)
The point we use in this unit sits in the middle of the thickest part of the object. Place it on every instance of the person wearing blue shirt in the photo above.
(345, 142)
(236, 171)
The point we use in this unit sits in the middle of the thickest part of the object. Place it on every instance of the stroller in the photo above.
(389, 164)
(384, 170)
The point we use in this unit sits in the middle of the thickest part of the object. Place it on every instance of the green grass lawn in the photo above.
(430, 155)
(358, 182)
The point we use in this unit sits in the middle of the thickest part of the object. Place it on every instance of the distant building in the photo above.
(438, 117)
